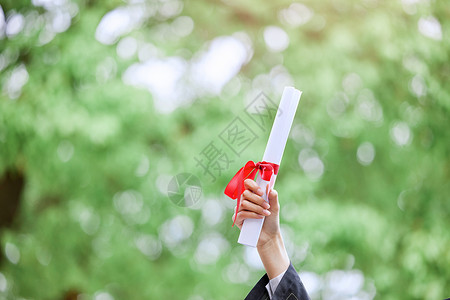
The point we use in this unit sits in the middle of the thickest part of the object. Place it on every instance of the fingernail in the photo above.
(266, 205)
(266, 212)
(260, 191)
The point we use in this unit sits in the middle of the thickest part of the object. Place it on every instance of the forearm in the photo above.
(274, 256)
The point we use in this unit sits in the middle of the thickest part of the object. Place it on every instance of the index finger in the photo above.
(253, 187)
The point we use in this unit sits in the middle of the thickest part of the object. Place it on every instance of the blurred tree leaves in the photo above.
(364, 183)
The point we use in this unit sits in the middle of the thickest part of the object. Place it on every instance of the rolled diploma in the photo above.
(274, 152)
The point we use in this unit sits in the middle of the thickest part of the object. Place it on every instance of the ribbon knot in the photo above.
(235, 187)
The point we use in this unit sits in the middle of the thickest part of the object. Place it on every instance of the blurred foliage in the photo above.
(94, 219)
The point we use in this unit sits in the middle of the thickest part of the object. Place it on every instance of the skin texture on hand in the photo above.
(270, 244)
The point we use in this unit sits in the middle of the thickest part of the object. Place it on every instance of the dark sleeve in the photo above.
(259, 291)
(289, 288)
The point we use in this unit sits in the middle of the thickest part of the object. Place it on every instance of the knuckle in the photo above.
(244, 204)
(249, 215)
(248, 181)
(261, 202)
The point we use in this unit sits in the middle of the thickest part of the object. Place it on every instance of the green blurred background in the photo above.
(103, 102)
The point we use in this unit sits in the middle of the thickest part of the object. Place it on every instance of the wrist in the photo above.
(268, 243)
(274, 256)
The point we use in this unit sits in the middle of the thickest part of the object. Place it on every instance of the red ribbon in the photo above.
(235, 187)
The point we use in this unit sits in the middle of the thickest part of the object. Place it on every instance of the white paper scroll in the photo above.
(274, 152)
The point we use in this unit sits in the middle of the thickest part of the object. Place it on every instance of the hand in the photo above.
(253, 206)
(270, 244)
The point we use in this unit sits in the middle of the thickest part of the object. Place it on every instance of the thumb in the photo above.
(273, 201)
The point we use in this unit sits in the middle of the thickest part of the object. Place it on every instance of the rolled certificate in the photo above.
(274, 152)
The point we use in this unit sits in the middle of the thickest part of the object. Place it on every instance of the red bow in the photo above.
(235, 187)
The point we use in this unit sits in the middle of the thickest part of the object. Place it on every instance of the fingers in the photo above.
(242, 215)
(252, 207)
(247, 195)
(253, 187)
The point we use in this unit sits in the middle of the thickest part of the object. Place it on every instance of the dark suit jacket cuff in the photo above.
(289, 288)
